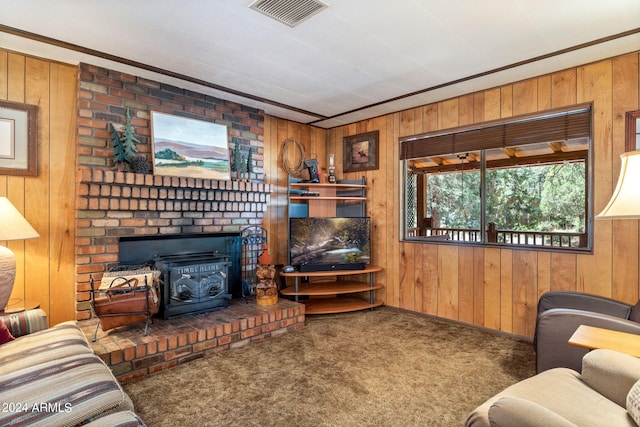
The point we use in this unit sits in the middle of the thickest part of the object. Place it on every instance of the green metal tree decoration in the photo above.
(120, 160)
(232, 160)
(249, 164)
(236, 165)
(243, 168)
(124, 146)
(129, 139)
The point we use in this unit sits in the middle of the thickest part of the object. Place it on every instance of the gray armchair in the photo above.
(559, 315)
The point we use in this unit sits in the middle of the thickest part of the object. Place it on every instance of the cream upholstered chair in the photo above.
(606, 393)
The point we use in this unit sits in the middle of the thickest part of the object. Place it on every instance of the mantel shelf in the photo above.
(326, 198)
(325, 185)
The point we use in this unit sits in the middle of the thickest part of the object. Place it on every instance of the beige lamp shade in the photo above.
(625, 201)
(13, 226)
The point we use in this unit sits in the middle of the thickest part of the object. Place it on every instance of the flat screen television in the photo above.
(325, 244)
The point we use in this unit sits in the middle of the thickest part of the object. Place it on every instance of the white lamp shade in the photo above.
(625, 201)
(13, 226)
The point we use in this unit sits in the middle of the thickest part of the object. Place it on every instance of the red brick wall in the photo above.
(111, 204)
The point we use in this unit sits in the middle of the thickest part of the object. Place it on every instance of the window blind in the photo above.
(557, 125)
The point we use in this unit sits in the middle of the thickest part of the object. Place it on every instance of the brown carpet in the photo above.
(385, 367)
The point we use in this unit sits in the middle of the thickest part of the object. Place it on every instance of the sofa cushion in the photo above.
(633, 402)
(66, 392)
(5, 334)
(117, 419)
(561, 391)
(25, 322)
(62, 340)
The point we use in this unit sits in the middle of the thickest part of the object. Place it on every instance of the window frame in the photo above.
(542, 115)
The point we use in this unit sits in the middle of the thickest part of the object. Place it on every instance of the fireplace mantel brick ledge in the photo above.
(100, 189)
(111, 205)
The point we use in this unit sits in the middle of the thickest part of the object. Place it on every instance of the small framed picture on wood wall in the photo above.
(361, 152)
(18, 139)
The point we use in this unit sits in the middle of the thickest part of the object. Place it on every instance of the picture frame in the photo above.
(632, 131)
(361, 152)
(187, 147)
(18, 139)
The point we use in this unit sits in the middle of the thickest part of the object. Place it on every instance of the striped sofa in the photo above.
(50, 377)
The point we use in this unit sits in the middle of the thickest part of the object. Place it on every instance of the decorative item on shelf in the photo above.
(332, 169)
(236, 161)
(124, 145)
(312, 167)
(249, 164)
(267, 289)
(243, 168)
(139, 164)
(14, 227)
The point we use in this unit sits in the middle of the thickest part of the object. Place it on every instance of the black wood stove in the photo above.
(194, 283)
(200, 272)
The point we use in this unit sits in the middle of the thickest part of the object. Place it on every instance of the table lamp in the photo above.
(625, 201)
(13, 226)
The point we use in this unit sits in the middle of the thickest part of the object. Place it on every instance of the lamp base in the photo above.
(7, 275)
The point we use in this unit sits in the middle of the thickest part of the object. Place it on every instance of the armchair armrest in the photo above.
(582, 301)
(611, 373)
(554, 328)
(515, 411)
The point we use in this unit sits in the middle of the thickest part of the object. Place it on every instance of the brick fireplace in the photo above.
(113, 205)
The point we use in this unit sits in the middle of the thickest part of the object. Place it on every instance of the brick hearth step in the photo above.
(171, 342)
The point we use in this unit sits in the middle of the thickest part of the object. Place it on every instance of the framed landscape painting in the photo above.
(188, 147)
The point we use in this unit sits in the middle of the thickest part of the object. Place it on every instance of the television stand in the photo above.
(333, 295)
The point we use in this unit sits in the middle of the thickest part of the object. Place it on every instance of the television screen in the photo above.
(325, 244)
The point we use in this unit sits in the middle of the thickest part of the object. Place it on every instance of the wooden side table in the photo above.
(17, 305)
(591, 337)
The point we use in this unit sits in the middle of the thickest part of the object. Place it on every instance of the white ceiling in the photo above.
(355, 60)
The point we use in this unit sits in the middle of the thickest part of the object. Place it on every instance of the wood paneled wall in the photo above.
(45, 266)
(494, 288)
(490, 287)
(313, 142)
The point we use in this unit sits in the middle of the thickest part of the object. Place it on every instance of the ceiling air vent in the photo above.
(290, 12)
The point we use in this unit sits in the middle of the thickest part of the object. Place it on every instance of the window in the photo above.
(522, 182)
